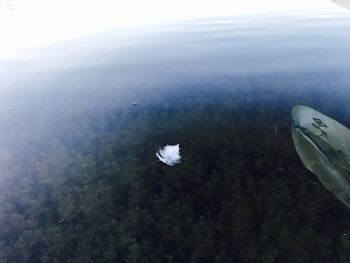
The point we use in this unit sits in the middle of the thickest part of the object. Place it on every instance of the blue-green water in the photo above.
(80, 181)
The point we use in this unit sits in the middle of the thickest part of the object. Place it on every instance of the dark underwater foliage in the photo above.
(94, 191)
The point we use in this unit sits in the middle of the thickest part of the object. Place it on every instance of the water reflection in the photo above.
(275, 52)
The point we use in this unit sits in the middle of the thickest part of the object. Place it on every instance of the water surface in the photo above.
(79, 176)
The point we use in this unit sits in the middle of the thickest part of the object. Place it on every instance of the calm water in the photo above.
(79, 178)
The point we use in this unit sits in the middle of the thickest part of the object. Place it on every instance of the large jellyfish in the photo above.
(323, 145)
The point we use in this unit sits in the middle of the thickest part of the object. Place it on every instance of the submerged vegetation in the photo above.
(96, 193)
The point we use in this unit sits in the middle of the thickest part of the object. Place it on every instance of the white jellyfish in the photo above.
(170, 154)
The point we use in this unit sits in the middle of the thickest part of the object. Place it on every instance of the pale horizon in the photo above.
(29, 24)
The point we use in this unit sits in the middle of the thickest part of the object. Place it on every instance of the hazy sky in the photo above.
(30, 23)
